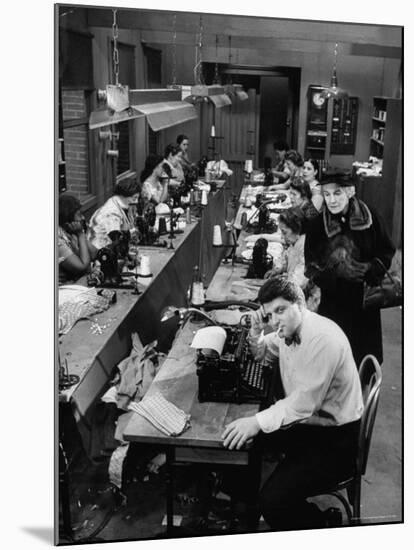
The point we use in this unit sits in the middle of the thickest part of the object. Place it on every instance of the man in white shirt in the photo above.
(321, 408)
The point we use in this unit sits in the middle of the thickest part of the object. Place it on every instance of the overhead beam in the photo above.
(243, 26)
(274, 44)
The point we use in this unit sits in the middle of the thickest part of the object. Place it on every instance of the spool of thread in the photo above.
(198, 294)
(162, 226)
(145, 269)
(248, 166)
(204, 198)
(217, 239)
(248, 202)
(243, 220)
(188, 215)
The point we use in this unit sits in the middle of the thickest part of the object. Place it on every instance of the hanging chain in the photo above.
(216, 79)
(174, 52)
(198, 72)
(229, 79)
(335, 55)
(115, 55)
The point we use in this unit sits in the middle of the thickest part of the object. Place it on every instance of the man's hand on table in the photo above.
(239, 432)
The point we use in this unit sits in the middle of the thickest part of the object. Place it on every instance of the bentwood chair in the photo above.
(371, 377)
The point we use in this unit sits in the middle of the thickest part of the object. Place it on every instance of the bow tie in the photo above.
(293, 339)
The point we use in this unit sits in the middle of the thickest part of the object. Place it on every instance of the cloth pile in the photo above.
(162, 414)
(77, 302)
(135, 374)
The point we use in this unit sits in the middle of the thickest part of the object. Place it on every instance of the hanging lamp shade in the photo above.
(240, 93)
(334, 90)
(116, 109)
(213, 93)
(167, 113)
(162, 107)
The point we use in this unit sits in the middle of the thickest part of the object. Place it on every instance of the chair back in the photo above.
(371, 377)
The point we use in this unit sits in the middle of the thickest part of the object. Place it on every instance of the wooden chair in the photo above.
(371, 377)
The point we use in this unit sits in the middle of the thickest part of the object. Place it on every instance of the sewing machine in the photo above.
(112, 259)
(145, 224)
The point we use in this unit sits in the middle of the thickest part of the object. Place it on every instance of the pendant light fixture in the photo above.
(115, 97)
(162, 107)
(200, 91)
(234, 90)
(333, 90)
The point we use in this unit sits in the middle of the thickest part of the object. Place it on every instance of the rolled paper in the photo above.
(188, 215)
(145, 268)
(192, 197)
(198, 294)
(204, 198)
(217, 239)
(213, 131)
(248, 166)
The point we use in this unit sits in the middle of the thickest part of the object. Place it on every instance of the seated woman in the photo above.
(115, 214)
(153, 189)
(172, 165)
(292, 227)
(301, 196)
(310, 171)
(75, 252)
(293, 167)
(182, 144)
(279, 171)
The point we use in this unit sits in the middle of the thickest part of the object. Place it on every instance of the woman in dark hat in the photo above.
(115, 214)
(341, 248)
(75, 252)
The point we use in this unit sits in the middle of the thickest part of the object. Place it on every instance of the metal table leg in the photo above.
(254, 476)
(170, 458)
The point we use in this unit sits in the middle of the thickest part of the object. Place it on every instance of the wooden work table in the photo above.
(177, 381)
(93, 356)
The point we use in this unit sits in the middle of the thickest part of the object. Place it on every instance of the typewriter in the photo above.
(234, 376)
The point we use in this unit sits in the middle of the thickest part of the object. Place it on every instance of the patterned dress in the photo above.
(112, 216)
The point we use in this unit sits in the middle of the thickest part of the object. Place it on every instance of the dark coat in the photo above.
(330, 263)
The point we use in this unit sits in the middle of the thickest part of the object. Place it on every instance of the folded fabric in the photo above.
(162, 414)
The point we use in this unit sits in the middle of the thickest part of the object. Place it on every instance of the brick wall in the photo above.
(76, 143)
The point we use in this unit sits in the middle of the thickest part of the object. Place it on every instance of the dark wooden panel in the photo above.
(249, 26)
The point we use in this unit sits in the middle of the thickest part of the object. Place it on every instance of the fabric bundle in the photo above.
(79, 304)
(162, 414)
(135, 374)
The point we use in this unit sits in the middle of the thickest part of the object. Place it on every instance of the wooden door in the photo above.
(237, 128)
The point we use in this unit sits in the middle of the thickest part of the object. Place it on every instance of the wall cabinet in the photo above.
(384, 193)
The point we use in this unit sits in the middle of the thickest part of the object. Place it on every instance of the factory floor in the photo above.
(140, 513)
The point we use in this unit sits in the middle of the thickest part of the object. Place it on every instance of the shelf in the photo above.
(377, 141)
(317, 148)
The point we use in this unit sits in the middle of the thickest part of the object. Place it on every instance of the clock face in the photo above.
(318, 99)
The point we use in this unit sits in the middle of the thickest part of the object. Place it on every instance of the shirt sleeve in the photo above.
(312, 380)
(264, 347)
(64, 251)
